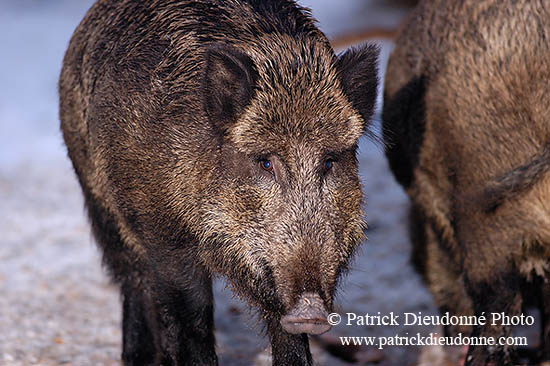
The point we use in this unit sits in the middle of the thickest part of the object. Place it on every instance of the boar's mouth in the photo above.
(309, 316)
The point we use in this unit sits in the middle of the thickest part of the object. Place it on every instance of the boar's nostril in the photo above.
(298, 325)
(309, 315)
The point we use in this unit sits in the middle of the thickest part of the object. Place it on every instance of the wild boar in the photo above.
(465, 119)
(217, 137)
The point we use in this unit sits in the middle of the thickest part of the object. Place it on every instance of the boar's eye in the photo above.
(266, 165)
(328, 164)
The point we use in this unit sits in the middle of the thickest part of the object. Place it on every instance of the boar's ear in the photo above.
(358, 72)
(228, 84)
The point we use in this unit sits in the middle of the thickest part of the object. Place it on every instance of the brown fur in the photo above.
(168, 109)
(513, 183)
(470, 146)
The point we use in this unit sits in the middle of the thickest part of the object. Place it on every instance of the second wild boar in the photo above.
(466, 122)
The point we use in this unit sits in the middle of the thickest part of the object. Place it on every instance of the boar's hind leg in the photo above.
(288, 349)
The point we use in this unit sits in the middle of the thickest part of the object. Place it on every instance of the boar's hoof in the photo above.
(308, 316)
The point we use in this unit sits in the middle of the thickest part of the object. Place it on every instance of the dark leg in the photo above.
(186, 321)
(501, 295)
(167, 299)
(288, 349)
(138, 343)
(491, 246)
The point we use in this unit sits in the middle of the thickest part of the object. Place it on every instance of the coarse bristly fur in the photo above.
(215, 137)
(467, 100)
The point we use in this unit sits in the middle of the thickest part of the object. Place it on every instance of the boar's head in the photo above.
(284, 216)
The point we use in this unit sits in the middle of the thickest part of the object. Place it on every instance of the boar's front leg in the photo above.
(185, 316)
(138, 343)
(434, 262)
(288, 349)
(495, 287)
(169, 321)
(500, 296)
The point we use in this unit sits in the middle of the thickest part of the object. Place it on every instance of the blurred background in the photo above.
(56, 304)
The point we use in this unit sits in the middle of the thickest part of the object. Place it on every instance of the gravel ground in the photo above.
(57, 306)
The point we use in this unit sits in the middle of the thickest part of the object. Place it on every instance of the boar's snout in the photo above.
(309, 315)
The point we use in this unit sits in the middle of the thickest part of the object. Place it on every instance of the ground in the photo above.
(57, 305)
